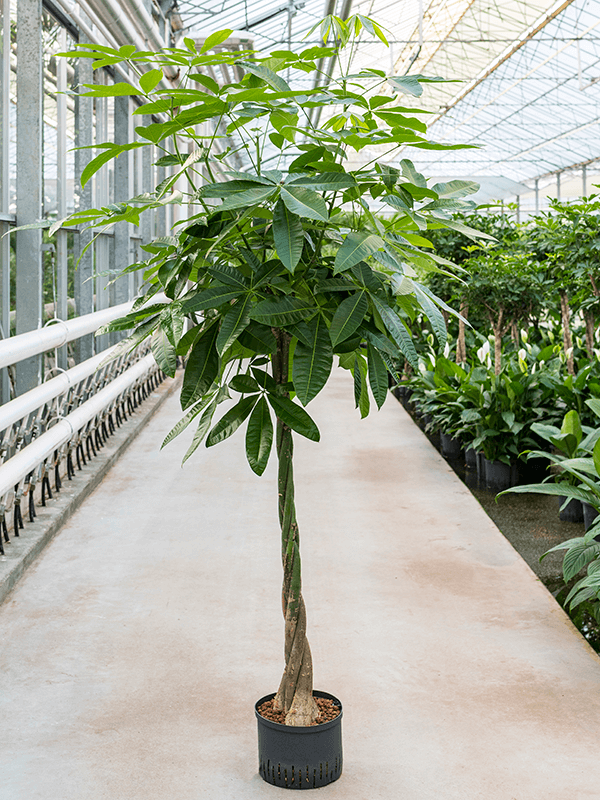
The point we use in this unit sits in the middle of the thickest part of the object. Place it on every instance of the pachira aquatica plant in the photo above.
(283, 264)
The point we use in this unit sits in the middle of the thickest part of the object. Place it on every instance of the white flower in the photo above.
(483, 354)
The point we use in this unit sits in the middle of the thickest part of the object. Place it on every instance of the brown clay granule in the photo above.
(327, 711)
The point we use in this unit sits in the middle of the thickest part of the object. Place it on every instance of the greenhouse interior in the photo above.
(356, 245)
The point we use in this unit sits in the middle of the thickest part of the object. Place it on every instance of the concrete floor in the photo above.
(134, 649)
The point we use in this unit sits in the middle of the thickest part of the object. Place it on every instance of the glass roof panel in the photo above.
(529, 71)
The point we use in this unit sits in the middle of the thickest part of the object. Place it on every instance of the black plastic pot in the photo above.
(573, 511)
(534, 470)
(451, 448)
(481, 467)
(432, 431)
(471, 458)
(299, 758)
(498, 475)
(589, 515)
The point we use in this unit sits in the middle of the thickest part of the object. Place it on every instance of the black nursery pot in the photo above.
(589, 515)
(498, 475)
(470, 458)
(572, 512)
(451, 448)
(299, 758)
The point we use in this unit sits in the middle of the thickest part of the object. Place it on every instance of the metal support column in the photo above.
(161, 212)
(102, 244)
(146, 227)
(4, 186)
(29, 182)
(584, 180)
(123, 172)
(61, 196)
(558, 186)
(537, 196)
(84, 268)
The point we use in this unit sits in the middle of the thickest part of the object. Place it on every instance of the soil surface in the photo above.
(327, 711)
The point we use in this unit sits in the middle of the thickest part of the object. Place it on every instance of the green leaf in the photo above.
(294, 416)
(572, 425)
(348, 316)
(164, 352)
(398, 332)
(210, 298)
(183, 423)
(230, 276)
(313, 359)
(357, 246)
(288, 235)
(407, 84)
(264, 380)
(187, 340)
(361, 395)
(433, 314)
(279, 313)
(594, 403)
(214, 39)
(119, 89)
(205, 81)
(150, 80)
(265, 74)
(411, 174)
(112, 151)
(225, 189)
(233, 323)
(455, 225)
(577, 557)
(596, 455)
(259, 437)
(325, 181)
(378, 375)
(247, 198)
(201, 430)
(456, 188)
(304, 202)
(201, 369)
(231, 421)
(258, 338)
(244, 384)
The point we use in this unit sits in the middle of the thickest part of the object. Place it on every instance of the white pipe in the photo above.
(35, 398)
(111, 40)
(123, 28)
(28, 459)
(32, 343)
(146, 23)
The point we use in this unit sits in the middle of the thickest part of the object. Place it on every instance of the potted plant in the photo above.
(283, 266)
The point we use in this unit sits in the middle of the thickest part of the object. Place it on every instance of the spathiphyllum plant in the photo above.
(287, 263)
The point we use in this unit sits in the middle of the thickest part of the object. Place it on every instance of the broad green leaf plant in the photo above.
(284, 266)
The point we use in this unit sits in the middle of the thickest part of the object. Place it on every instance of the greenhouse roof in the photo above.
(527, 73)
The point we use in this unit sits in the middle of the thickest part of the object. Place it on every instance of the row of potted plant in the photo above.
(493, 419)
(576, 481)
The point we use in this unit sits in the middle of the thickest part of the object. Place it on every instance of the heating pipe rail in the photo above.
(59, 332)
(28, 459)
(18, 408)
(25, 345)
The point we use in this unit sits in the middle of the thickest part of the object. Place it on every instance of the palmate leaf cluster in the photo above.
(284, 245)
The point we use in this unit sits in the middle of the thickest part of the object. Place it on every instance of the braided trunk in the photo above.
(294, 696)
